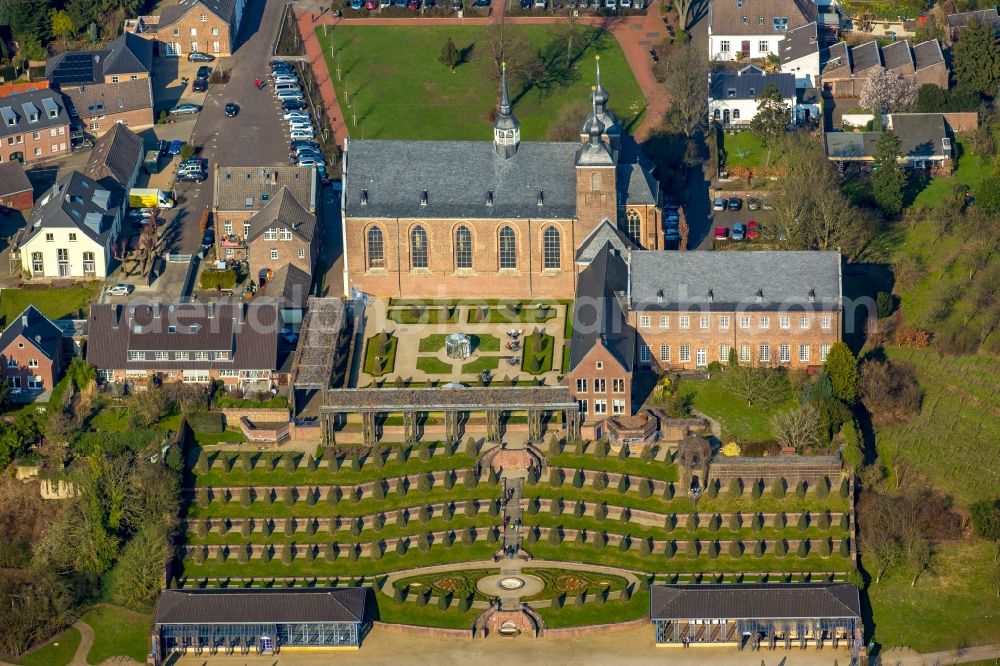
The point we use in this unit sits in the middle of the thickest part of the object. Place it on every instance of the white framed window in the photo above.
(804, 323)
(600, 406)
(644, 321)
(598, 365)
(161, 356)
(744, 353)
(685, 355)
(703, 322)
(618, 385)
(194, 32)
(701, 357)
(229, 372)
(221, 356)
(664, 321)
(201, 356)
(286, 234)
(824, 350)
(803, 353)
(271, 233)
(744, 321)
(246, 229)
(35, 382)
(762, 46)
(581, 385)
(38, 151)
(72, 238)
(32, 362)
(181, 356)
(12, 363)
(765, 322)
(582, 406)
(302, 253)
(724, 351)
(617, 406)
(599, 385)
(215, 47)
(784, 353)
(228, 226)
(824, 322)
(665, 353)
(724, 322)
(644, 355)
(685, 321)
(724, 46)
(215, 32)
(784, 322)
(764, 353)
(136, 356)
(230, 253)
(203, 18)
(274, 254)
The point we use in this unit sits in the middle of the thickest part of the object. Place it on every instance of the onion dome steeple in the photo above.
(506, 128)
(595, 152)
(599, 97)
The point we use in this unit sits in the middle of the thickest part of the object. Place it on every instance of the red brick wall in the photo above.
(18, 201)
(610, 370)
(133, 119)
(22, 350)
(27, 143)
(259, 254)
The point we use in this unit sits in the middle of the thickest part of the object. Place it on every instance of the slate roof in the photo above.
(927, 53)
(116, 156)
(920, 136)
(599, 316)
(897, 56)
(97, 99)
(798, 43)
(127, 54)
(458, 176)
(603, 233)
(37, 329)
(726, 16)
(835, 57)
(76, 201)
(748, 84)
(284, 210)
(731, 280)
(263, 606)
(865, 56)
(13, 180)
(289, 287)
(18, 107)
(224, 9)
(251, 188)
(960, 20)
(636, 181)
(762, 601)
(248, 331)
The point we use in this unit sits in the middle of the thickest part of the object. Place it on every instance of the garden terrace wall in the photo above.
(589, 630)
(434, 632)
(792, 469)
(263, 415)
(258, 432)
(393, 484)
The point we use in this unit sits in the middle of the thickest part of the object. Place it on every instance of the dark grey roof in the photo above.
(599, 311)
(920, 137)
(98, 99)
(604, 233)
(37, 329)
(850, 145)
(798, 43)
(18, 108)
(732, 280)
(458, 176)
(116, 156)
(960, 20)
(264, 606)
(865, 56)
(748, 83)
(283, 210)
(835, 57)
(927, 53)
(289, 287)
(898, 56)
(224, 9)
(13, 180)
(128, 54)
(762, 601)
(250, 188)
(249, 332)
(77, 201)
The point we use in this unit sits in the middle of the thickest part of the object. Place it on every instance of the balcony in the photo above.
(231, 240)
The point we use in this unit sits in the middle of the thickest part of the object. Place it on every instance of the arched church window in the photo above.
(633, 226)
(463, 247)
(376, 248)
(551, 251)
(508, 248)
(418, 247)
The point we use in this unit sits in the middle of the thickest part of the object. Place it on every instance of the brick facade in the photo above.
(37, 145)
(99, 124)
(601, 386)
(763, 340)
(198, 29)
(18, 200)
(261, 258)
(31, 364)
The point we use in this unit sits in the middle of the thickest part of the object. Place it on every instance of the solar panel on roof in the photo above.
(74, 68)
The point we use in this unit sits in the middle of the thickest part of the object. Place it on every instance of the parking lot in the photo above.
(727, 218)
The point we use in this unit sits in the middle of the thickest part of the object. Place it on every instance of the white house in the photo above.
(71, 229)
(798, 54)
(732, 97)
(754, 28)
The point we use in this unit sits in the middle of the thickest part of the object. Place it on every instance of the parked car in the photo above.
(718, 203)
(301, 124)
(140, 213)
(208, 238)
(292, 105)
(232, 110)
(195, 161)
(184, 109)
(735, 203)
(120, 290)
(281, 77)
(721, 233)
(311, 161)
(175, 147)
(296, 113)
(290, 94)
(283, 65)
(739, 231)
(753, 203)
(163, 147)
(190, 168)
(198, 56)
(753, 230)
(203, 72)
(199, 85)
(192, 177)
(294, 145)
(301, 134)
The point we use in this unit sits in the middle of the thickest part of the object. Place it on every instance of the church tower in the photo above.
(506, 129)
(612, 126)
(596, 170)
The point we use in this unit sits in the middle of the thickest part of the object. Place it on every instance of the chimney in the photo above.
(24, 320)
(274, 177)
(211, 310)
(156, 310)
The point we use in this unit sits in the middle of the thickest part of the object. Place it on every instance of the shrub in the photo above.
(803, 548)
(757, 523)
(779, 521)
(424, 452)
(246, 529)
(448, 479)
(288, 462)
(647, 454)
(735, 521)
(911, 336)
(845, 521)
(376, 551)
(468, 538)
(329, 553)
(713, 489)
(288, 496)
(601, 511)
(397, 595)
(670, 522)
(423, 542)
(533, 506)
(356, 464)
(424, 514)
(601, 449)
(693, 548)
(471, 479)
(246, 500)
(267, 527)
(845, 547)
(579, 509)
(670, 549)
(378, 489)
(757, 489)
(625, 543)
(645, 488)
(353, 551)
(645, 547)
(556, 507)
(444, 600)
(713, 549)
(555, 536)
(735, 549)
(578, 478)
(333, 496)
(800, 490)
(202, 465)
(580, 538)
(424, 483)
(626, 515)
(823, 488)
(286, 554)
(357, 524)
(779, 488)
(692, 522)
(422, 598)
(824, 520)
(471, 448)
(246, 463)
(289, 527)
(758, 548)
(531, 536)
(623, 483)
(714, 523)
(623, 452)
(600, 540)
(845, 488)
(825, 547)
(668, 491)
(803, 522)
(735, 488)
(401, 546)
(780, 547)
(311, 495)
(600, 481)
(494, 508)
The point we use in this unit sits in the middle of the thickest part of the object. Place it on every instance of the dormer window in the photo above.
(760, 295)
(812, 295)
(489, 198)
(364, 197)
(541, 198)
(780, 23)
(659, 295)
(731, 92)
(423, 198)
(711, 296)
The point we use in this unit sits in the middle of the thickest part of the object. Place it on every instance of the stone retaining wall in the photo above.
(572, 632)
(792, 469)
(435, 632)
(272, 414)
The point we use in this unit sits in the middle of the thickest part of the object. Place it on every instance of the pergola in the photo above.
(535, 401)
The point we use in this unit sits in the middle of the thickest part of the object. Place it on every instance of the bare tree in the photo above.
(683, 8)
(687, 84)
(756, 384)
(797, 428)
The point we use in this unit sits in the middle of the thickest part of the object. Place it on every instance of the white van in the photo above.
(282, 87)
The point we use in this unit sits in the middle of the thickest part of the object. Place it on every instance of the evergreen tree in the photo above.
(771, 120)
(450, 55)
(888, 178)
(976, 57)
(842, 368)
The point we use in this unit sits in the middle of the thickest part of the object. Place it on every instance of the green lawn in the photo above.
(504, 315)
(481, 363)
(538, 349)
(953, 605)
(421, 315)
(428, 616)
(433, 366)
(117, 632)
(953, 441)
(399, 90)
(486, 343)
(970, 170)
(54, 303)
(743, 149)
(432, 343)
(57, 652)
(739, 422)
(388, 361)
(654, 469)
(592, 612)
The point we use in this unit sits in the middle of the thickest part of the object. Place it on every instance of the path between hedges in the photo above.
(636, 35)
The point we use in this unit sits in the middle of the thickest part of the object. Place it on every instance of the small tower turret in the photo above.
(599, 98)
(506, 128)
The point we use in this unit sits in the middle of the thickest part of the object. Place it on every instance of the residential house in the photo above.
(145, 27)
(602, 349)
(798, 54)
(31, 353)
(732, 96)
(281, 234)
(690, 309)
(925, 143)
(34, 126)
(242, 192)
(958, 22)
(235, 343)
(845, 69)
(116, 158)
(107, 87)
(740, 29)
(71, 229)
(289, 287)
(208, 26)
(15, 188)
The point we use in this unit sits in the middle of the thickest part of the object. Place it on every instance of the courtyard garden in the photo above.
(393, 86)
